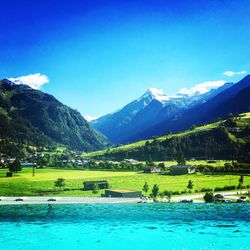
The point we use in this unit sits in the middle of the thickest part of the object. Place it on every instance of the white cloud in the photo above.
(35, 81)
(91, 117)
(201, 88)
(233, 73)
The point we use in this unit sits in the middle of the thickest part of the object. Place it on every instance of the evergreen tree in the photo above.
(190, 185)
(241, 181)
(180, 158)
(155, 190)
(95, 188)
(193, 127)
(145, 188)
(150, 160)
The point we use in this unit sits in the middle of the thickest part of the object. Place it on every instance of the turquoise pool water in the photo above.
(130, 226)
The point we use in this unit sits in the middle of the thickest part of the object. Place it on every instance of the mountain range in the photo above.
(156, 113)
(31, 117)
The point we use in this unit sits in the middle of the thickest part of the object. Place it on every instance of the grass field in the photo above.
(23, 184)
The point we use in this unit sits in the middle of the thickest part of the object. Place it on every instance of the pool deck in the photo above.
(65, 200)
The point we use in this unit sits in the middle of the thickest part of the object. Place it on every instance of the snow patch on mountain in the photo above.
(90, 118)
(158, 95)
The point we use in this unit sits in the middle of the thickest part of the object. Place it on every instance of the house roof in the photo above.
(93, 182)
(122, 190)
(180, 166)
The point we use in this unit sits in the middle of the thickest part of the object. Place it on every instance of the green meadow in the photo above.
(23, 184)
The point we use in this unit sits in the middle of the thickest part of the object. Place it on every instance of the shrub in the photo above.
(15, 166)
(206, 190)
(176, 193)
(168, 194)
(225, 188)
(208, 197)
(232, 187)
(60, 182)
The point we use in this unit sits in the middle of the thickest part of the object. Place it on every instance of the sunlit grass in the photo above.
(23, 184)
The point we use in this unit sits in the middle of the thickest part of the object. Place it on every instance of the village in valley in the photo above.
(191, 175)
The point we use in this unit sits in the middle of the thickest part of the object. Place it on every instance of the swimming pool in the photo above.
(126, 226)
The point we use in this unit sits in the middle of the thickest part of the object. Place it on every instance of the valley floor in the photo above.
(42, 184)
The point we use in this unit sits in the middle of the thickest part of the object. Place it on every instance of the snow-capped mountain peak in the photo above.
(153, 108)
(156, 94)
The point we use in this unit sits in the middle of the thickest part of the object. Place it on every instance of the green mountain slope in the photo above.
(29, 116)
(224, 139)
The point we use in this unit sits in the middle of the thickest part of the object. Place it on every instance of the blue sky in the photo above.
(100, 55)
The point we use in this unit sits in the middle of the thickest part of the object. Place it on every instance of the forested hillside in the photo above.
(225, 139)
(31, 117)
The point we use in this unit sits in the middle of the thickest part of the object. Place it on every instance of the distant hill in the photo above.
(224, 139)
(31, 117)
(151, 109)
